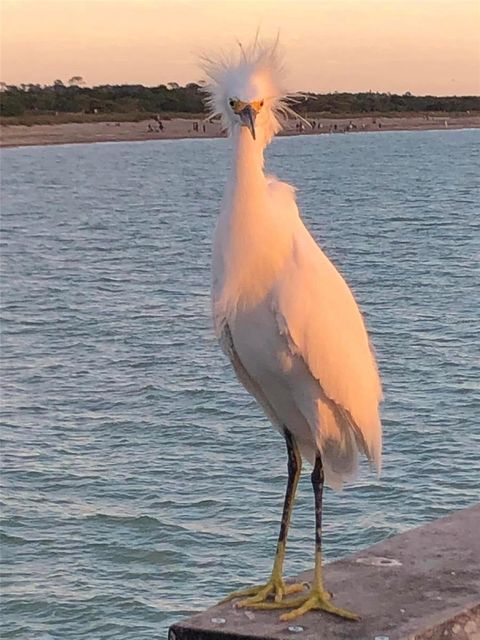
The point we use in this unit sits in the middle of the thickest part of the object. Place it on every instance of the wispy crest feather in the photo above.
(259, 61)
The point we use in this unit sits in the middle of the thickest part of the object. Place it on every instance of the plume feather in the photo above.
(260, 63)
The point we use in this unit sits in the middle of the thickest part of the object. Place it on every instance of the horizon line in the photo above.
(4, 86)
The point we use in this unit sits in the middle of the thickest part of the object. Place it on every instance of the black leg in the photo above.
(276, 587)
(318, 598)
(294, 469)
(318, 480)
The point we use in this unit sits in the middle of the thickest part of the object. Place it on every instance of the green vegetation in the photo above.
(74, 102)
(134, 100)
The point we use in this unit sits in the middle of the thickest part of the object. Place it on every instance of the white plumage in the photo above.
(282, 312)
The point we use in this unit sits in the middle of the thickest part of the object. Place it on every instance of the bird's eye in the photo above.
(232, 103)
(261, 103)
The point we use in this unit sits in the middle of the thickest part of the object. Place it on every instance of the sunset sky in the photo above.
(421, 46)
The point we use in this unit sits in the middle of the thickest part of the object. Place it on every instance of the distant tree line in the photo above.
(368, 102)
(75, 97)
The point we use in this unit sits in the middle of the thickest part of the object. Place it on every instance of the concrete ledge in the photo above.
(420, 585)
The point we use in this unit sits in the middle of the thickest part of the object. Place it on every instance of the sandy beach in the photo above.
(18, 135)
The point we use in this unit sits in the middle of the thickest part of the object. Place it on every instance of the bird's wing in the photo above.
(318, 315)
(226, 343)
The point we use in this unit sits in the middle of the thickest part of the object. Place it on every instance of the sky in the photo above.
(421, 46)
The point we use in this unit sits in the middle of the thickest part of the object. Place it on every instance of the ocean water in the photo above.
(140, 482)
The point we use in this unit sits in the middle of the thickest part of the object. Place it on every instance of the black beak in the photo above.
(247, 116)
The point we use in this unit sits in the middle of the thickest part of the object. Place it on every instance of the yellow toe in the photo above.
(254, 596)
(317, 601)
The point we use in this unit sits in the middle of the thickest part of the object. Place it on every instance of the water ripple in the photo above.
(139, 481)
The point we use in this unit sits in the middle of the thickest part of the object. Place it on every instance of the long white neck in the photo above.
(249, 240)
(246, 184)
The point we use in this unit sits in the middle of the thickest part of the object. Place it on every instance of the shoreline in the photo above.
(180, 128)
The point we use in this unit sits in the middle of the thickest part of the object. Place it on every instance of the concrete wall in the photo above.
(420, 585)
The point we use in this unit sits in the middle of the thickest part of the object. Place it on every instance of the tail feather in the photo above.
(339, 440)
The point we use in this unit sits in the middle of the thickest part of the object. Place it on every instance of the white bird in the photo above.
(285, 317)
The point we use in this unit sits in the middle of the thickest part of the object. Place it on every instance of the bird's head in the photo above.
(246, 90)
(244, 112)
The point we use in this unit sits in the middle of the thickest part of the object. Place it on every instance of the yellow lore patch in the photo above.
(239, 105)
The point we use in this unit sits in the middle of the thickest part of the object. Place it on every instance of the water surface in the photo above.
(140, 481)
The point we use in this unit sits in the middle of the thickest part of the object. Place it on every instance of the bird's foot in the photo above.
(316, 599)
(275, 587)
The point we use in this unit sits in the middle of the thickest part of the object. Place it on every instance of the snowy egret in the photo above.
(285, 317)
